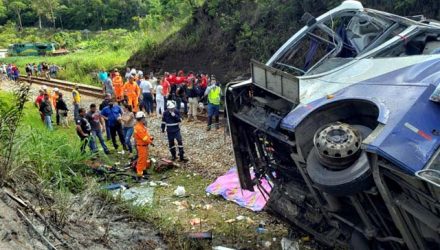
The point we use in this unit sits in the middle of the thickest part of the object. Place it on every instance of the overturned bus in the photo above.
(341, 123)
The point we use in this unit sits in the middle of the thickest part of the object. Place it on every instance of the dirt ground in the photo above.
(96, 223)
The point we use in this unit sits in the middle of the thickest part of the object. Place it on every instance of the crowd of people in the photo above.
(43, 69)
(191, 92)
(128, 102)
(9, 71)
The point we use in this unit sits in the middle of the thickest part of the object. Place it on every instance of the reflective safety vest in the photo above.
(76, 96)
(214, 95)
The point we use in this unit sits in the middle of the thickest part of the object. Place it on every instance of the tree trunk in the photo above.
(61, 22)
(39, 22)
(20, 24)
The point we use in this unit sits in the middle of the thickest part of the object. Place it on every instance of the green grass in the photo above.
(82, 66)
(104, 50)
(175, 225)
(53, 157)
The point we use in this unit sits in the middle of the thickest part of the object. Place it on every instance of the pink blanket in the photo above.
(228, 186)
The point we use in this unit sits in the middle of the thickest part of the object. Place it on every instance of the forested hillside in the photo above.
(92, 14)
(225, 34)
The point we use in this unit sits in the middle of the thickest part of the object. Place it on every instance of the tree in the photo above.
(18, 7)
(2, 9)
(51, 6)
(39, 10)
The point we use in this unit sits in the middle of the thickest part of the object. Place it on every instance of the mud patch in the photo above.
(90, 223)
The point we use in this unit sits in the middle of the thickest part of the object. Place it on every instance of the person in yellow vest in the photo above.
(76, 102)
(214, 96)
(132, 91)
(54, 98)
(142, 139)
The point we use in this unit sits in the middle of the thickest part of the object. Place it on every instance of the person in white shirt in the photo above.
(147, 96)
(159, 101)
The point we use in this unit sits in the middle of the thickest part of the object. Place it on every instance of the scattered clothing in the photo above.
(228, 186)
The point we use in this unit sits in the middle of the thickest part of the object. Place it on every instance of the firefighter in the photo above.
(118, 85)
(132, 91)
(142, 139)
(171, 121)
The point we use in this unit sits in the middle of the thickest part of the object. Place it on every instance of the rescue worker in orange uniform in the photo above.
(118, 86)
(54, 98)
(132, 91)
(142, 139)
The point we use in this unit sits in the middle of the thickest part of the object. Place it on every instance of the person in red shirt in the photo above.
(39, 100)
(204, 83)
(165, 90)
(171, 78)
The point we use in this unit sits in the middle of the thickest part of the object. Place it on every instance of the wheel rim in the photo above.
(338, 145)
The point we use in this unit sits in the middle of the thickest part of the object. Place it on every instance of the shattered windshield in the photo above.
(336, 41)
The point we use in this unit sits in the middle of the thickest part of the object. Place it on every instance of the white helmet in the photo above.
(44, 87)
(171, 104)
(140, 115)
(56, 90)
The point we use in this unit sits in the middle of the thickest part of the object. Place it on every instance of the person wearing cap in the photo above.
(76, 102)
(171, 122)
(46, 90)
(142, 139)
(54, 97)
(213, 92)
(118, 86)
(132, 91)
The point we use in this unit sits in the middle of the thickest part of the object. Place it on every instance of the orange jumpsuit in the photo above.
(54, 99)
(118, 86)
(132, 91)
(143, 139)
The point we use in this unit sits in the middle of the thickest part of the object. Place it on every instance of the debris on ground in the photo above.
(287, 244)
(181, 205)
(195, 221)
(139, 196)
(222, 248)
(180, 191)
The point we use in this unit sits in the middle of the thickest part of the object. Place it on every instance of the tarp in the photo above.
(228, 186)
